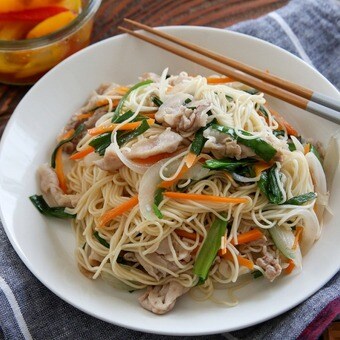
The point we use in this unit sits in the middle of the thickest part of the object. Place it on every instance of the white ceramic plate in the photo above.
(46, 246)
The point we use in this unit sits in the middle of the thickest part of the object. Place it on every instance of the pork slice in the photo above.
(49, 185)
(150, 269)
(110, 162)
(162, 299)
(183, 255)
(183, 118)
(168, 141)
(270, 264)
(222, 145)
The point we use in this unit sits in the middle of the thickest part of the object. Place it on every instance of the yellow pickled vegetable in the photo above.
(19, 5)
(51, 24)
(14, 30)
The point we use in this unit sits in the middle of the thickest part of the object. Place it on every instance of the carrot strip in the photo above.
(149, 114)
(81, 154)
(247, 237)
(59, 170)
(284, 124)
(190, 236)
(85, 115)
(241, 260)
(261, 166)
(129, 126)
(121, 90)
(154, 159)
(216, 80)
(66, 135)
(306, 148)
(121, 209)
(168, 184)
(298, 234)
(290, 267)
(200, 197)
(190, 159)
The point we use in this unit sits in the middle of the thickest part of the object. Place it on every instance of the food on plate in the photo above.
(181, 183)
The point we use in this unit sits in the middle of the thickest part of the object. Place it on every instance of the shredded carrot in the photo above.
(306, 148)
(59, 170)
(284, 124)
(129, 126)
(249, 236)
(190, 236)
(85, 115)
(121, 209)
(290, 267)
(261, 166)
(241, 260)
(81, 154)
(149, 114)
(200, 197)
(66, 135)
(216, 80)
(121, 90)
(154, 159)
(298, 233)
(168, 184)
(190, 159)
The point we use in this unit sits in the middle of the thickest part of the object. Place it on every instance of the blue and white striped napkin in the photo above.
(28, 310)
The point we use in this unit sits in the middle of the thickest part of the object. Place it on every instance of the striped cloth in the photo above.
(28, 310)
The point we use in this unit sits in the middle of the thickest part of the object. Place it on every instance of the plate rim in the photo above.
(30, 266)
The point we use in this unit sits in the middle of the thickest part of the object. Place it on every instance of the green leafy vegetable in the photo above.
(230, 99)
(256, 274)
(101, 142)
(210, 247)
(258, 145)
(77, 132)
(291, 146)
(156, 101)
(278, 133)
(229, 164)
(59, 212)
(301, 199)
(314, 150)
(101, 240)
(120, 105)
(126, 137)
(263, 111)
(198, 142)
(187, 101)
(269, 186)
(157, 200)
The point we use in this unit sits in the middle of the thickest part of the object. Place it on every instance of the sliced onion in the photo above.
(331, 162)
(147, 188)
(136, 167)
(283, 239)
(319, 179)
(196, 172)
(298, 145)
(244, 179)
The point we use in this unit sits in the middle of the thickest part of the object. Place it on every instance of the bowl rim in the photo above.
(84, 16)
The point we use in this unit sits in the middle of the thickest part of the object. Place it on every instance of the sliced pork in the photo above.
(166, 142)
(49, 185)
(270, 265)
(181, 116)
(162, 299)
(110, 162)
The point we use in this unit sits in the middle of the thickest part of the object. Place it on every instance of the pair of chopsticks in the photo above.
(304, 98)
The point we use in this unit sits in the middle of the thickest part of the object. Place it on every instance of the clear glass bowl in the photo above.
(23, 62)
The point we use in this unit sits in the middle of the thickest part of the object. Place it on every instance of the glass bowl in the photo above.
(23, 62)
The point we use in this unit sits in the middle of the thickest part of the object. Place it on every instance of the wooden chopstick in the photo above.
(255, 72)
(270, 89)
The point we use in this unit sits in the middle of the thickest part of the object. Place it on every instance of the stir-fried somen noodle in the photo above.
(181, 182)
